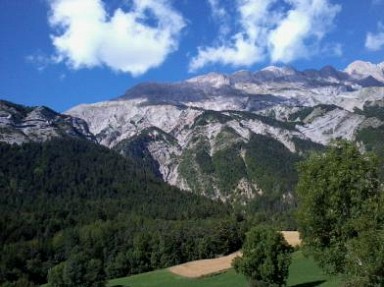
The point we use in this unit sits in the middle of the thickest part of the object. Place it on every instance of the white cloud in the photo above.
(85, 36)
(281, 35)
(221, 16)
(217, 10)
(375, 42)
(243, 48)
(302, 28)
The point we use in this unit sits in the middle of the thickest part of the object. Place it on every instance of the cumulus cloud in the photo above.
(221, 16)
(375, 41)
(308, 21)
(134, 41)
(243, 47)
(268, 31)
(217, 10)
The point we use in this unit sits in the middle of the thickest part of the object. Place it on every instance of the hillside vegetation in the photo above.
(79, 209)
(303, 272)
(341, 213)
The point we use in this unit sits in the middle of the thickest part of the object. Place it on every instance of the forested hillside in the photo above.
(74, 211)
(74, 205)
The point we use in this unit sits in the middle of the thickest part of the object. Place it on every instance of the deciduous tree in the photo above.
(340, 213)
(266, 258)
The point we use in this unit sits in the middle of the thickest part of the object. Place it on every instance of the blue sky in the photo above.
(61, 53)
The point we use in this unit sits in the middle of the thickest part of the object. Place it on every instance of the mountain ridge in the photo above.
(20, 124)
(196, 130)
(361, 69)
(205, 133)
(283, 84)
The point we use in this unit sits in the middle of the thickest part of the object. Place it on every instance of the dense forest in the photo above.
(73, 210)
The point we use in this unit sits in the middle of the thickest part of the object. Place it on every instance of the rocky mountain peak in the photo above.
(279, 74)
(361, 70)
(215, 80)
(196, 130)
(19, 124)
(329, 71)
(280, 71)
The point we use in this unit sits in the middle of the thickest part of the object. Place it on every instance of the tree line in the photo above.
(73, 211)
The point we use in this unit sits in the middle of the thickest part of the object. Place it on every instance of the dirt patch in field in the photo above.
(292, 237)
(201, 268)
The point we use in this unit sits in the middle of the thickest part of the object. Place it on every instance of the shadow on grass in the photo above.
(310, 284)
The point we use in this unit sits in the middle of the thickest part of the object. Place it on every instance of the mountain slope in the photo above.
(197, 134)
(20, 124)
(361, 70)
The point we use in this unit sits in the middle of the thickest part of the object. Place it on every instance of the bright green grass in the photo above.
(303, 273)
(164, 278)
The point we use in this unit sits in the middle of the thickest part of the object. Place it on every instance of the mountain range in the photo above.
(233, 137)
(20, 124)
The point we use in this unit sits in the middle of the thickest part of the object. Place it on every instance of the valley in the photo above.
(171, 173)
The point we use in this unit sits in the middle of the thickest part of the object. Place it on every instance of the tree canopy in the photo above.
(340, 213)
(85, 214)
(266, 257)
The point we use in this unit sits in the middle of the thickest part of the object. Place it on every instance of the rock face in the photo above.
(238, 136)
(361, 70)
(19, 124)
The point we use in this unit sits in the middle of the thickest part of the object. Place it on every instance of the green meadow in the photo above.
(303, 273)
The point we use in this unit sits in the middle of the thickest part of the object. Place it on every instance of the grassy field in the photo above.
(303, 273)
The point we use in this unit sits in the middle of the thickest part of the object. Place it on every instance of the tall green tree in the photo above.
(266, 258)
(79, 270)
(340, 207)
